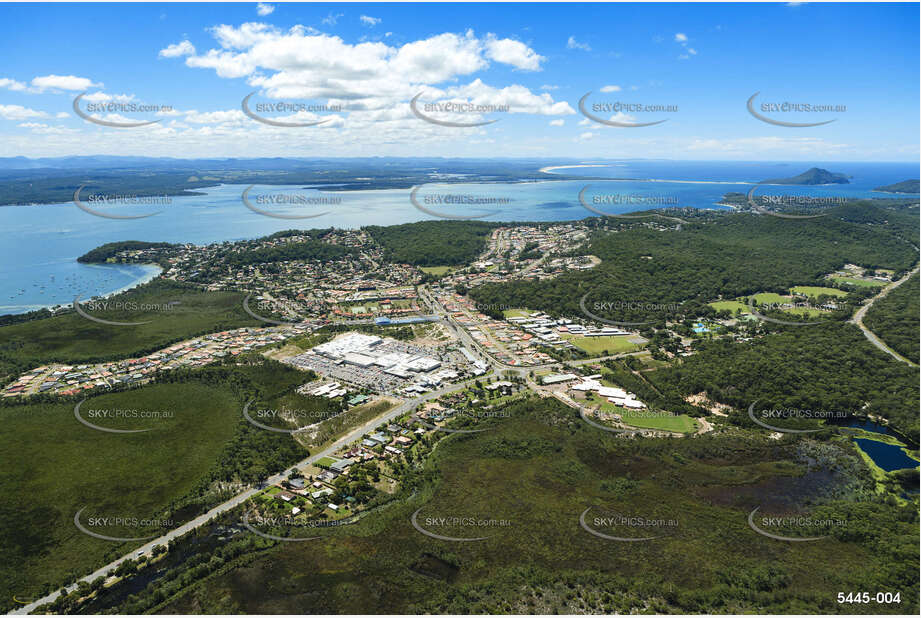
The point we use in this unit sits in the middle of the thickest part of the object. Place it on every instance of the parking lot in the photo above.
(372, 377)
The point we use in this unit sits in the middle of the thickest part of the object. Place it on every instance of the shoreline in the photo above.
(147, 277)
(549, 169)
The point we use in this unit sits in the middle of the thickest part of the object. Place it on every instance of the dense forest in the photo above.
(812, 176)
(54, 180)
(111, 249)
(646, 272)
(906, 186)
(306, 250)
(433, 243)
(826, 367)
(541, 467)
(894, 318)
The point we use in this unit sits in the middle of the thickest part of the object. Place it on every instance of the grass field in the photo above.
(660, 420)
(375, 307)
(650, 419)
(597, 346)
(815, 291)
(516, 313)
(865, 283)
(537, 472)
(54, 466)
(436, 270)
(771, 297)
(729, 305)
(807, 311)
(331, 429)
(71, 338)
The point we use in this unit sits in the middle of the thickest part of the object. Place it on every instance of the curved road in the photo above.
(870, 335)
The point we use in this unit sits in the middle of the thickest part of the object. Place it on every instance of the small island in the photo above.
(906, 186)
(813, 176)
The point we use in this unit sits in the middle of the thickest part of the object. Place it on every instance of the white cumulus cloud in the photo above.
(512, 52)
(572, 43)
(12, 84)
(18, 112)
(61, 82)
(183, 48)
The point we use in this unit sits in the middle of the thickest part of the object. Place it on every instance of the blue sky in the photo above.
(536, 59)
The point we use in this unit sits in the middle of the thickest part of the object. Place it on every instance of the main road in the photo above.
(243, 496)
(350, 437)
(862, 312)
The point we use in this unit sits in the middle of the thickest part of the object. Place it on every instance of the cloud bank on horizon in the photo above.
(487, 86)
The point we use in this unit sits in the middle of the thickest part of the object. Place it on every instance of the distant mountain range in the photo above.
(249, 164)
(812, 176)
(906, 186)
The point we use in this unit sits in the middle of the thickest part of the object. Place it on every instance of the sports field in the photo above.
(864, 283)
(816, 291)
(603, 345)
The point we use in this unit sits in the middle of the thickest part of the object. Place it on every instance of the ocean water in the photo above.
(39, 244)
